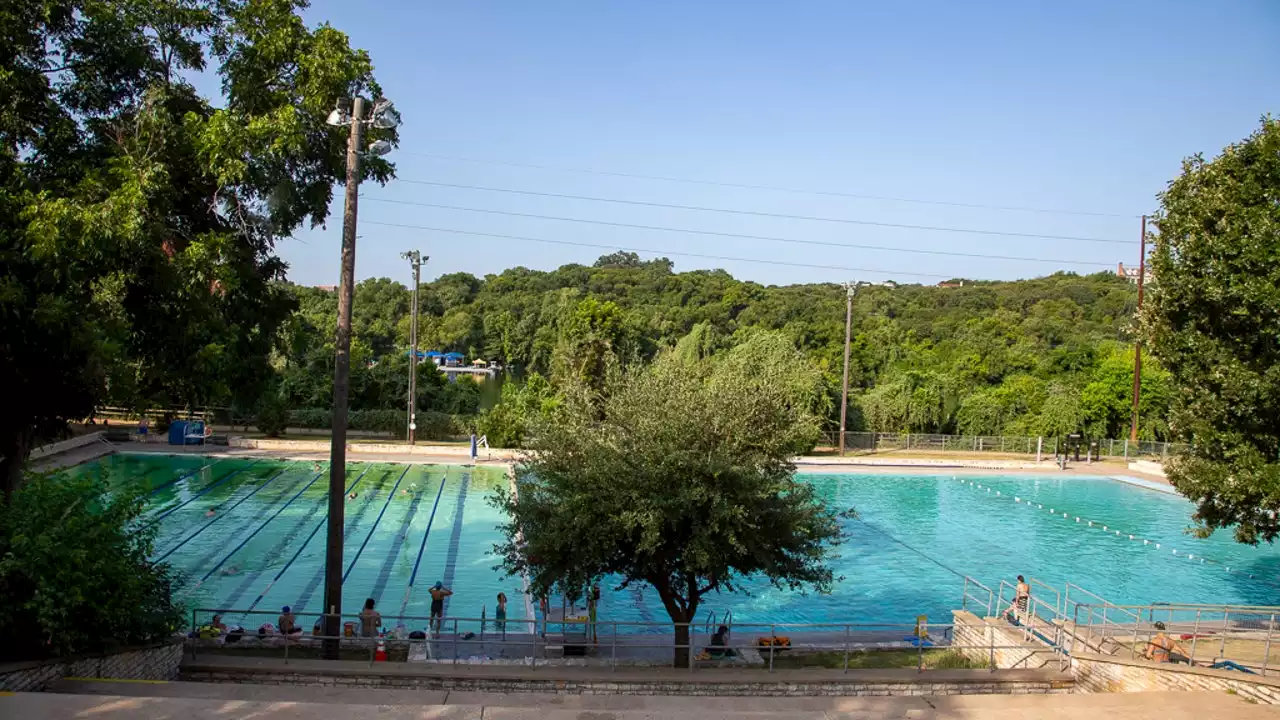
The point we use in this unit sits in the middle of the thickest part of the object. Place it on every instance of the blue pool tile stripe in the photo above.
(351, 524)
(306, 542)
(376, 522)
(384, 574)
(451, 559)
(183, 476)
(427, 533)
(251, 577)
(260, 527)
(218, 517)
(199, 494)
(259, 512)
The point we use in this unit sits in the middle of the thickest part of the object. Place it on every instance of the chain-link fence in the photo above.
(1008, 444)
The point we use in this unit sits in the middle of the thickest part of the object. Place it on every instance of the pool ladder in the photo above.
(710, 626)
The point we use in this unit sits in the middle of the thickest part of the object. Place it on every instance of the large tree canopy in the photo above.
(1213, 319)
(679, 477)
(138, 219)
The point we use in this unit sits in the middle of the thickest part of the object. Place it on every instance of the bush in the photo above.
(74, 573)
(431, 425)
(273, 415)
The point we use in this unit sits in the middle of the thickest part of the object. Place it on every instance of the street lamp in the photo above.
(849, 289)
(383, 116)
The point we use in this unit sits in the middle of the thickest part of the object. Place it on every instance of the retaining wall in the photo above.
(1102, 673)
(65, 445)
(976, 637)
(878, 683)
(154, 662)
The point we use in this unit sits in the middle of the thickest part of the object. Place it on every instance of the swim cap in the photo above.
(439, 585)
(284, 609)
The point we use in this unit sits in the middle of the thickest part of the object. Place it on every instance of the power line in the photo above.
(773, 188)
(758, 213)
(655, 252)
(740, 236)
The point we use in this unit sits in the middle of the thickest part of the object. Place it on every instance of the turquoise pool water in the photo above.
(915, 538)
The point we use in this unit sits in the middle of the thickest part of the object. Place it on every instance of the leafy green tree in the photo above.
(680, 478)
(1213, 320)
(521, 406)
(74, 570)
(138, 220)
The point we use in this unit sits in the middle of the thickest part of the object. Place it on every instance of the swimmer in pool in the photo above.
(353, 496)
(210, 513)
(315, 466)
(233, 570)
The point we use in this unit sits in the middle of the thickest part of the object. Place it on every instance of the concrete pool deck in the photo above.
(198, 701)
(961, 463)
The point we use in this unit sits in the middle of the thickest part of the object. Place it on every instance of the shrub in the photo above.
(74, 570)
(273, 415)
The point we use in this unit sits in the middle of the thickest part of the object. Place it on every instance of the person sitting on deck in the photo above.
(1163, 649)
(286, 623)
(719, 640)
(370, 619)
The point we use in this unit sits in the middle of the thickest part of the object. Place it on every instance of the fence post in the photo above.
(1164, 453)
(773, 635)
(1226, 621)
(613, 648)
(455, 641)
(1126, 449)
(1028, 446)
(991, 633)
(908, 441)
(1195, 633)
(975, 443)
(1266, 652)
(1002, 443)
(1039, 447)
(846, 645)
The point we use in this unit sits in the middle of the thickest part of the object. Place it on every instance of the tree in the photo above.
(138, 221)
(74, 570)
(1213, 320)
(680, 478)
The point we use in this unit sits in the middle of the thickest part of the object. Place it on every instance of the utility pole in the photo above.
(1137, 345)
(848, 328)
(415, 258)
(341, 377)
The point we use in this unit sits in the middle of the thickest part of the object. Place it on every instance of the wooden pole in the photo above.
(341, 383)
(1137, 345)
(848, 327)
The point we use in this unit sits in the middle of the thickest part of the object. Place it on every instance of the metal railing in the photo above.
(975, 596)
(1046, 447)
(1234, 637)
(455, 641)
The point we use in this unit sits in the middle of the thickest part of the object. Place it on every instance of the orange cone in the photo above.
(380, 655)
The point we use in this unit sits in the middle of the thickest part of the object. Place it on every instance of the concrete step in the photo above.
(150, 702)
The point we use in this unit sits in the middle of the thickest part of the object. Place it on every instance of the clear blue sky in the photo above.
(1078, 106)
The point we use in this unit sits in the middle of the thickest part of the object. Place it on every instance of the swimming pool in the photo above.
(915, 539)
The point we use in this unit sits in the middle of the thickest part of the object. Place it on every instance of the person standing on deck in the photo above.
(1021, 599)
(438, 593)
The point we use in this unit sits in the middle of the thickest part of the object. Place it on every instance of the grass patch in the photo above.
(875, 659)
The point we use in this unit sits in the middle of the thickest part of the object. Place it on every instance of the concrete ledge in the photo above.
(62, 446)
(657, 681)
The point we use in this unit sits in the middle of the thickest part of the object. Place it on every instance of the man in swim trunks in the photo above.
(438, 593)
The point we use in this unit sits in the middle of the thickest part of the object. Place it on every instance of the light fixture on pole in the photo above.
(342, 356)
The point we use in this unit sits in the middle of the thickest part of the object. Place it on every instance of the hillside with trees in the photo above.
(1045, 356)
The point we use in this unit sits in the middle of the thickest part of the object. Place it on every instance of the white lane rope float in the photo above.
(1107, 529)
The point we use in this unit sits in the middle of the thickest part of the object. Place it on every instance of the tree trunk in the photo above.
(14, 450)
(680, 658)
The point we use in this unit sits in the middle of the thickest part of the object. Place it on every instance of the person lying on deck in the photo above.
(1163, 649)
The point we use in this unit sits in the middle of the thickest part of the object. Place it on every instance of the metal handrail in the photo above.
(534, 641)
(978, 601)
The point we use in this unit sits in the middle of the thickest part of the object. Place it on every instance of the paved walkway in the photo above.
(194, 701)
